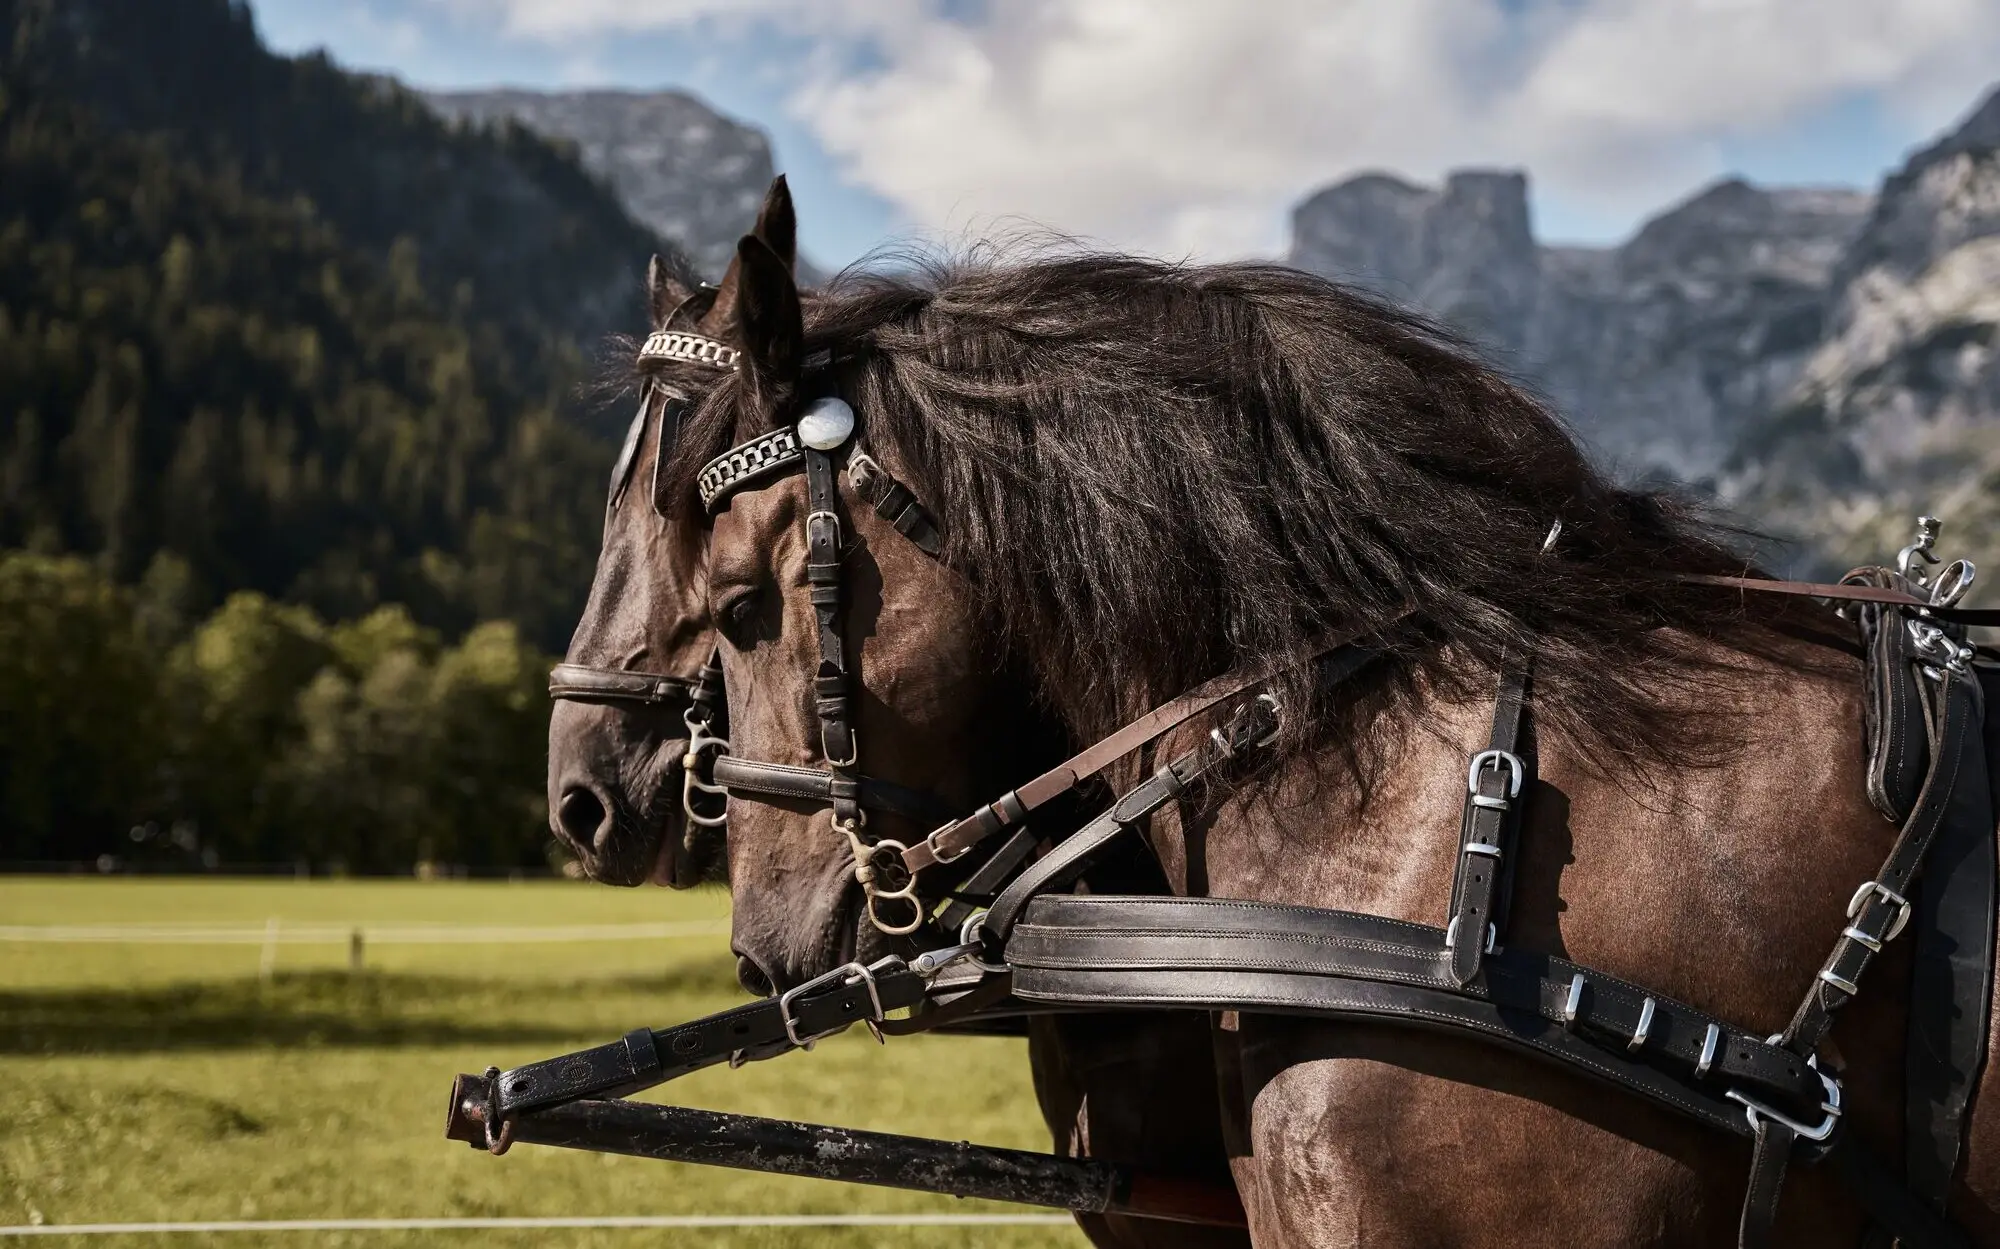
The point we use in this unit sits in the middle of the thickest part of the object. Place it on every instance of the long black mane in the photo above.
(1151, 473)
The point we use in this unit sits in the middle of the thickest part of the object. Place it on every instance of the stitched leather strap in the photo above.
(1342, 655)
(832, 685)
(611, 685)
(646, 1057)
(894, 502)
(784, 780)
(1139, 952)
(1881, 907)
(1496, 788)
(1846, 593)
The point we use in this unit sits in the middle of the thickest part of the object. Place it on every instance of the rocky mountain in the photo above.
(1898, 407)
(1821, 359)
(1658, 349)
(689, 172)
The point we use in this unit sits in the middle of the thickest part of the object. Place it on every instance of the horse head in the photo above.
(630, 695)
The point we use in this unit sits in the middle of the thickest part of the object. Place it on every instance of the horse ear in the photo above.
(770, 324)
(664, 291)
(777, 223)
(778, 226)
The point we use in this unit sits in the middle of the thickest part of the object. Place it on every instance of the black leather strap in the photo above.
(831, 683)
(582, 684)
(1951, 985)
(1062, 865)
(1881, 907)
(894, 502)
(646, 1057)
(1496, 788)
(1898, 746)
(784, 780)
(1130, 952)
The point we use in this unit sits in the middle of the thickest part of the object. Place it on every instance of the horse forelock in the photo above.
(1152, 472)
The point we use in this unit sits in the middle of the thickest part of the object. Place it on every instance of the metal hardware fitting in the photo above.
(1897, 900)
(1277, 718)
(1451, 934)
(1555, 531)
(971, 932)
(1952, 581)
(699, 740)
(1480, 847)
(1516, 771)
(1574, 1000)
(1639, 1034)
(1855, 934)
(850, 974)
(1927, 535)
(938, 854)
(1710, 1043)
(928, 964)
(853, 753)
(1844, 985)
(831, 518)
(1753, 1110)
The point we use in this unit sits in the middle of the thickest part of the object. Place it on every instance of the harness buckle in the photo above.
(1451, 934)
(1516, 771)
(845, 976)
(1754, 1110)
(853, 748)
(937, 852)
(1878, 889)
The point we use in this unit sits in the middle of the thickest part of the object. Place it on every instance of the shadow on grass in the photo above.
(301, 1010)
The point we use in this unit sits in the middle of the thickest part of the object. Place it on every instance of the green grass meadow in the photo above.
(174, 1082)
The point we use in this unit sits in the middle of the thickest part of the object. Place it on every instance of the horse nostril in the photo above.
(581, 814)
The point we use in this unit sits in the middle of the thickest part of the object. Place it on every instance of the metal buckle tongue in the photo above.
(845, 977)
(1754, 1110)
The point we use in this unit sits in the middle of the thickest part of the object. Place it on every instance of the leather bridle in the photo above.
(1052, 950)
(699, 698)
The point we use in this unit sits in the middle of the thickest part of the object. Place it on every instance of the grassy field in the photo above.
(155, 1082)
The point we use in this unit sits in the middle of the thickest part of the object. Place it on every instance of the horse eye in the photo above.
(738, 618)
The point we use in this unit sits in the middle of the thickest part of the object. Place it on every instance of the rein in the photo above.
(1037, 947)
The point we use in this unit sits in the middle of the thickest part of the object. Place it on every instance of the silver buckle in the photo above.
(1860, 899)
(1516, 770)
(859, 973)
(1451, 934)
(938, 854)
(853, 748)
(1753, 1110)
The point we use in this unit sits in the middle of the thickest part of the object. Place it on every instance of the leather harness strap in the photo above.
(816, 785)
(1494, 787)
(1989, 616)
(759, 1029)
(831, 681)
(578, 683)
(950, 842)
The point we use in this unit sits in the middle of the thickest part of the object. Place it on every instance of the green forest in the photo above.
(299, 480)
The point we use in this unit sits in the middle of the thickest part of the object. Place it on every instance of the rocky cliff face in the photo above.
(1898, 407)
(677, 165)
(1656, 350)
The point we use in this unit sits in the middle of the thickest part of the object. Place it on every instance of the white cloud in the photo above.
(1190, 126)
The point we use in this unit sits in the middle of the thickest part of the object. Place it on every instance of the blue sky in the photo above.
(1183, 127)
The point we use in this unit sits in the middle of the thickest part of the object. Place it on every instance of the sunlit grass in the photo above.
(173, 1083)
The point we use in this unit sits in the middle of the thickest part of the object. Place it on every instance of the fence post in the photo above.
(354, 951)
(267, 961)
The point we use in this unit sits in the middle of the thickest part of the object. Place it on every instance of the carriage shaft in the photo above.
(918, 1164)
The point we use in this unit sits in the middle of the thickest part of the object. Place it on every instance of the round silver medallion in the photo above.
(826, 424)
